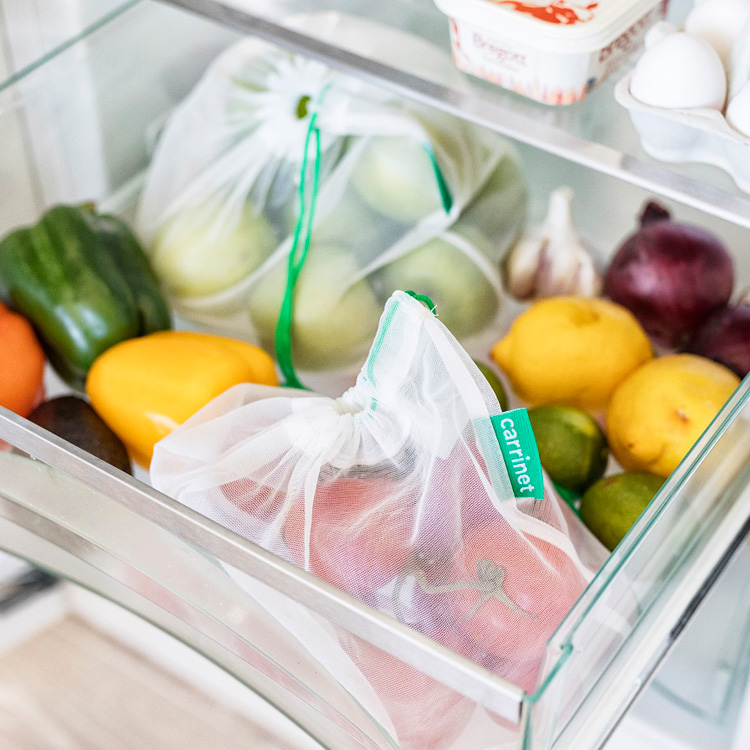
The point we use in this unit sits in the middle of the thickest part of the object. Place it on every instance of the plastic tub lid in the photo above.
(557, 25)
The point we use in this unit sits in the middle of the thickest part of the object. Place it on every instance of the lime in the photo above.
(612, 505)
(495, 384)
(572, 446)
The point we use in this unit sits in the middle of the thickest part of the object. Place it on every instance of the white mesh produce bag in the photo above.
(397, 492)
(397, 196)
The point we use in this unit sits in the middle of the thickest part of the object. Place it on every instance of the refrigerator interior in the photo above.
(82, 127)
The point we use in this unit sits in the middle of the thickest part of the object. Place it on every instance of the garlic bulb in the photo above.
(550, 260)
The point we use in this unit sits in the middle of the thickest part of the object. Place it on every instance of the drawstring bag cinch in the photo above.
(411, 491)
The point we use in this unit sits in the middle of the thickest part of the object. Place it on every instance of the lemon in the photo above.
(612, 505)
(491, 377)
(572, 446)
(656, 415)
(571, 350)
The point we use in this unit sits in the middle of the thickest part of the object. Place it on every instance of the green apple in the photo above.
(199, 252)
(284, 197)
(354, 225)
(395, 176)
(346, 220)
(465, 300)
(334, 320)
(498, 209)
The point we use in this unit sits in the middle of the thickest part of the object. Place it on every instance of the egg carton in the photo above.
(688, 135)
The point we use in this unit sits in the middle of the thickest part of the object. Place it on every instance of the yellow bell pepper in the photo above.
(144, 388)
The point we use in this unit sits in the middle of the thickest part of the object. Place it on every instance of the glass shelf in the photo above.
(31, 33)
(596, 132)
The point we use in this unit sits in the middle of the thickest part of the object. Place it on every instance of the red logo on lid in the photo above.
(558, 12)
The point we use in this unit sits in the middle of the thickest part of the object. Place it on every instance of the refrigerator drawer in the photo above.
(72, 515)
(81, 127)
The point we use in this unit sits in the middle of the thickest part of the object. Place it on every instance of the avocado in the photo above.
(73, 419)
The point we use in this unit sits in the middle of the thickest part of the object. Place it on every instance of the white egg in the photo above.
(738, 111)
(680, 71)
(719, 22)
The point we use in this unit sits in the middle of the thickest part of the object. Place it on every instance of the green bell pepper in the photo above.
(84, 281)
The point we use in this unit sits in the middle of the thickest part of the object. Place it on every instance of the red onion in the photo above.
(670, 276)
(725, 338)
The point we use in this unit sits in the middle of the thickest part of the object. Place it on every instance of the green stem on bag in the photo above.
(302, 106)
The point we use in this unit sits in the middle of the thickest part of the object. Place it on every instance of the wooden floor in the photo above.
(72, 688)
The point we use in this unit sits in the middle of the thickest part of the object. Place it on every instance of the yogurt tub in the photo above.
(554, 52)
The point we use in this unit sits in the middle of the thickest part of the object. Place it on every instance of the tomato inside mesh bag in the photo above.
(396, 492)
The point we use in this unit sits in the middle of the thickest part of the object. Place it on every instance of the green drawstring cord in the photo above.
(304, 222)
(445, 194)
(425, 300)
(302, 237)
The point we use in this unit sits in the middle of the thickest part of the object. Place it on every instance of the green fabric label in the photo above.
(521, 456)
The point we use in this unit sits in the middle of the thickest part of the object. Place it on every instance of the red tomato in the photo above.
(358, 540)
(476, 507)
(297, 680)
(256, 500)
(425, 713)
(523, 674)
(411, 599)
(510, 592)
(455, 500)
